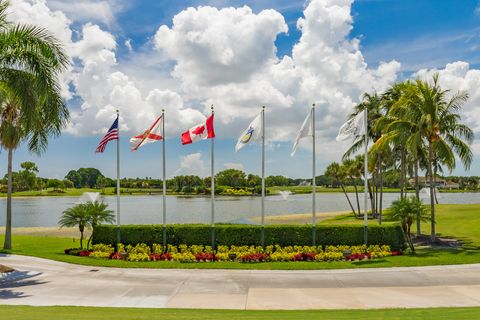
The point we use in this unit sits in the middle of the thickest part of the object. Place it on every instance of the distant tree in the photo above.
(26, 179)
(67, 184)
(55, 184)
(231, 177)
(271, 181)
(75, 177)
(254, 180)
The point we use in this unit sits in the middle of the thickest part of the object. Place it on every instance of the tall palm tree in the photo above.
(31, 107)
(438, 124)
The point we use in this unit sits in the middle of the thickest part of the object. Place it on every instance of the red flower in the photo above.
(84, 253)
(254, 257)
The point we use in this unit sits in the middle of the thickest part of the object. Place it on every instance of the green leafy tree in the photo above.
(438, 124)
(231, 177)
(75, 177)
(31, 107)
(67, 184)
(27, 178)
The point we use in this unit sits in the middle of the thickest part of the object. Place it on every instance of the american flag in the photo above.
(112, 134)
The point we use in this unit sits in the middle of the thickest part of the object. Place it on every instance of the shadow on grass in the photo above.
(369, 262)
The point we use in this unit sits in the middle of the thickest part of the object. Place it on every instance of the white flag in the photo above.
(305, 131)
(353, 128)
(250, 134)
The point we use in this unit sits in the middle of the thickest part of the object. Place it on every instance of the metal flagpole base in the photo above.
(314, 235)
(212, 235)
(118, 238)
(262, 237)
(164, 238)
(365, 235)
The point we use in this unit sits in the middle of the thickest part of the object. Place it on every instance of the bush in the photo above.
(247, 235)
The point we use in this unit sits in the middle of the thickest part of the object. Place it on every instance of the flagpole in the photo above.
(365, 215)
(164, 187)
(262, 239)
(212, 187)
(118, 178)
(314, 183)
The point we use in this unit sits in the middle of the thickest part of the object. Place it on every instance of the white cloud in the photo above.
(239, 76)
(234, 165)
(458, 76)
(88, 10)
(192, 164)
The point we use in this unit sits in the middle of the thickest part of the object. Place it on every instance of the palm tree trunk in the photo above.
(370, 192)
(435, 183)
(7, 245)
(432, 188)
(403, 175)
(358, 201)
(381, 193)
(348, 199)
(417, 194)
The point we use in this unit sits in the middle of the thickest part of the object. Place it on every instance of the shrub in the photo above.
(248, 235)
(100, 255)
(254, 257)
(84, 253)
(106, 248)
(138, 257)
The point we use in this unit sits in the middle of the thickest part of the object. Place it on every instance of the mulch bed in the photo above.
(440, 242)
(5, 269)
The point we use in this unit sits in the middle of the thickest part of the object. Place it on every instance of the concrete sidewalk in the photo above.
(43, 282)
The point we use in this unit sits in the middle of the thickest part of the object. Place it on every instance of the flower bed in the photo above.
(199, 253)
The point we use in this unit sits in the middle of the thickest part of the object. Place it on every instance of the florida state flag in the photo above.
(152, 134)
(199, 132)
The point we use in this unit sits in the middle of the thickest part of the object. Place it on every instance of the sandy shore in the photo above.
(47, 231)
(299, 218)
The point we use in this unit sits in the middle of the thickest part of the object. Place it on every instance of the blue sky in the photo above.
(425, 34)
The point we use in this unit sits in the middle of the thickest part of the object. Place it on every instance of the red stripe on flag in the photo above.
(211, 132)
(186, 138)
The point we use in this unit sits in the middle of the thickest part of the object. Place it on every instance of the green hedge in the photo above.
(240, 234)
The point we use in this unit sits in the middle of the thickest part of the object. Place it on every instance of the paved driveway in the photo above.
(43, 282)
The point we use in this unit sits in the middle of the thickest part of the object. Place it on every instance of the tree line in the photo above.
(414, 127)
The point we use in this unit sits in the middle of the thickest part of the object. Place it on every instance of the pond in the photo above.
(45, 211)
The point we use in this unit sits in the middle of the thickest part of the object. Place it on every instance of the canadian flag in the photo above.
(199, 132)
(152, 134)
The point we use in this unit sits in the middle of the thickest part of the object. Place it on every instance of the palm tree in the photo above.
(438, 124)
(76, 216)
(373, 104)
(335, 171)
(97, 213)
(406, 211)
(351, 168)
(31, 107)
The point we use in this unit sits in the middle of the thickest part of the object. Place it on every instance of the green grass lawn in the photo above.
(92, 313)
(459, 221)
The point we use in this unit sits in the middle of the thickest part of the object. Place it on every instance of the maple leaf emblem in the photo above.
(198, 130)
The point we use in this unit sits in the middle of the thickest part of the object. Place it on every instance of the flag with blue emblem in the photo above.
(252, 133)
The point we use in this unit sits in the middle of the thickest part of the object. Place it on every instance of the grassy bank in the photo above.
(73, 192)
(91, 313)
(458, 221)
